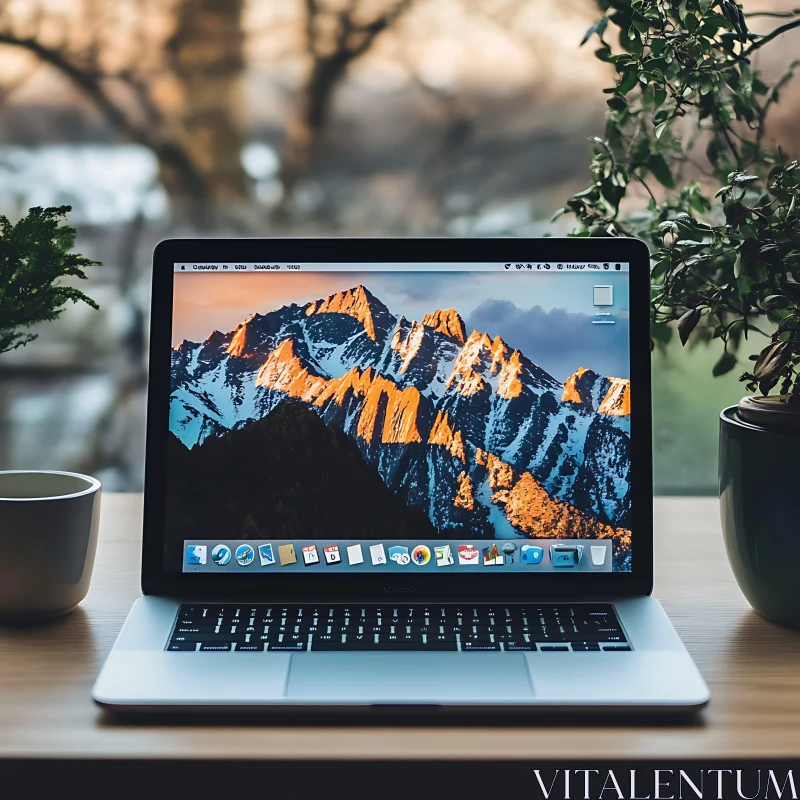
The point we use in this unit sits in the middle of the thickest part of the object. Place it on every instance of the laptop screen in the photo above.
(385, 417)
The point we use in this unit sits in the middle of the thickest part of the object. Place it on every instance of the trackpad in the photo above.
(409, 677)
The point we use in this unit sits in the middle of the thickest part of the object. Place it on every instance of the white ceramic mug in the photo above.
(48, 537)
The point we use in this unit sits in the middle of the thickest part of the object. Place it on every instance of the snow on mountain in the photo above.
(465, 428)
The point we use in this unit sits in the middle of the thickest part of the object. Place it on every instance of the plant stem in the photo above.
(781, 29)
(783, 14)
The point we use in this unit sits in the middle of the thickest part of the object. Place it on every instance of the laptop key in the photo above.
(470, 645)
(187, 646)
(220, 646)
(287, 647)
(327, 645)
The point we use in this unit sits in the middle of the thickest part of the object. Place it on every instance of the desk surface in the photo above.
(752, 667)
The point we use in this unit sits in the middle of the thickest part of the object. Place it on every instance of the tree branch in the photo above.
(91, 85)
(83, 79)
(142, 93)
(312, 10)
(781, 14)
(779, 31)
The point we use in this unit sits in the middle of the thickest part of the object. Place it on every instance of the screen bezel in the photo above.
(354, 586)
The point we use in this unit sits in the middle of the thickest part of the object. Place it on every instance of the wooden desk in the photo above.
(753, 669)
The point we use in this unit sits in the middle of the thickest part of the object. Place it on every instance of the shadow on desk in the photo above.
(411, 718)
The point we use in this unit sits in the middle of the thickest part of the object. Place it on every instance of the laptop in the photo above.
(399, 473)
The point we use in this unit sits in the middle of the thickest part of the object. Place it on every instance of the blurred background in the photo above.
(163, 118)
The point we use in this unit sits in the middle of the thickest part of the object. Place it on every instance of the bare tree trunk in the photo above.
(306, 130)
(201, 100)
(336, 36)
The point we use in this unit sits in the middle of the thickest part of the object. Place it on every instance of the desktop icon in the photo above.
(286, 554)
(467, 554)
(530, 554)
(566, 555)
(443, 555)
(421, 555)
(399, 555)
(377, 553)
(310, 555)
(598, 554)
(332, 554)
(221, 555)
(603, 295)
(492, 556)
(266, 555)
(245, 555)
(196, 553)
(508, 549)
(354, 554)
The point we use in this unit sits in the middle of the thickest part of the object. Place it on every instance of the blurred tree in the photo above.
(336, 35)
(176, 94)
(205, 60)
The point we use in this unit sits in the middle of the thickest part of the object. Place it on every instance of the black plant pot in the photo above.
(759, 489)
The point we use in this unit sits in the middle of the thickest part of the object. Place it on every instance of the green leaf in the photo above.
(657, 164)
(629, 80)
(737, 266)
(660, 128)
(598, 28)
(603, 54)
(687, 323)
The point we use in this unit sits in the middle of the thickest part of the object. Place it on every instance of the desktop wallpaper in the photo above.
(411, 405)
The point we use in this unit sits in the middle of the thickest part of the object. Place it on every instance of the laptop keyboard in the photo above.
(576, 627)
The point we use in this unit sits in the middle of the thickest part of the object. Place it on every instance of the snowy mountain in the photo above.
(463, 427)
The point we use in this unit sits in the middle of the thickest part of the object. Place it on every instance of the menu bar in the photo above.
(553, 267)
(358, 555)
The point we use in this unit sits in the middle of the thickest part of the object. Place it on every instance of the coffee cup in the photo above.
(48, 538)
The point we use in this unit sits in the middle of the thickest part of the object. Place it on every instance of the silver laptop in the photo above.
(399, 473)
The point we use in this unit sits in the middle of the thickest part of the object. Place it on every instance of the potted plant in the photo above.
(48, 519)
(725, 244)
(34, 255)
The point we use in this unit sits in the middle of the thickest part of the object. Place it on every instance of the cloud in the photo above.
(557, 340)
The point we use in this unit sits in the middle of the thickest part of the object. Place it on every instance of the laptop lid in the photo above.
(434, 418)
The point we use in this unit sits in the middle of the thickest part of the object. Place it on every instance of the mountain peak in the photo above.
(239, 340)
(447, 321)
(578, 387)
(442, 433)
(509, 384)
(283, 370)
(216, 338)
(357, 302)
(617, 402)
(611, 396)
